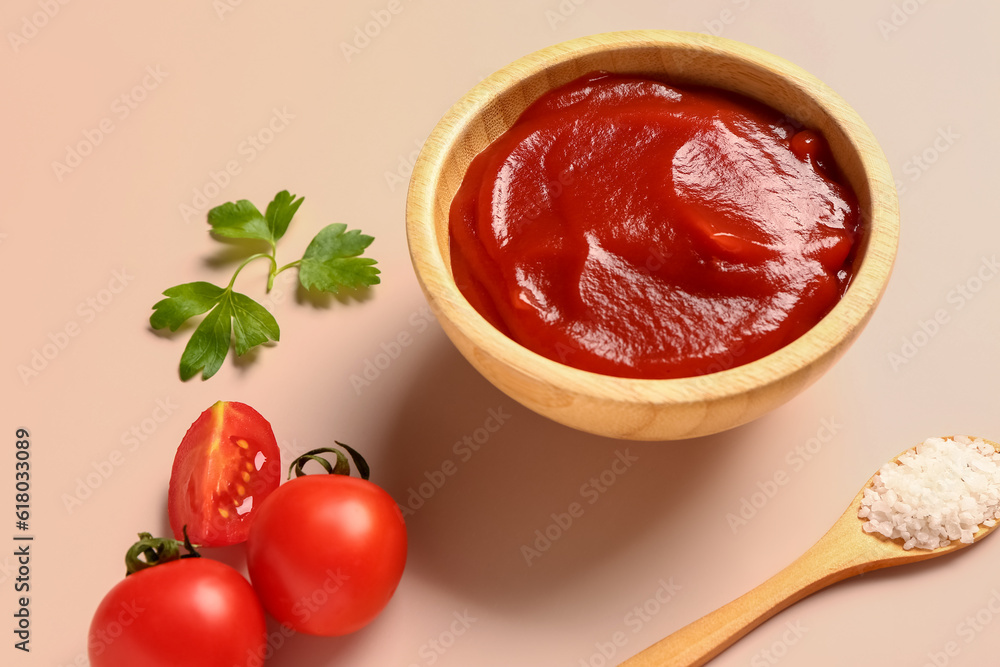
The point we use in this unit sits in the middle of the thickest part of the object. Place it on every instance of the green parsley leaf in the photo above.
(184, 302)
(242, 220)
(209, 344)
(234, 316)
(239, 220)
(253, 325)
(279, 213)
(331, 261)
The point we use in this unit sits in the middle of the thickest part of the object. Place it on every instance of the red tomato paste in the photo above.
(634, 228)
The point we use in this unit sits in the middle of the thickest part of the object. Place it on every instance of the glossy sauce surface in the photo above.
(634, 228)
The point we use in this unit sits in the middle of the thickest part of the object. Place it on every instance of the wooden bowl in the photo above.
(649, 409)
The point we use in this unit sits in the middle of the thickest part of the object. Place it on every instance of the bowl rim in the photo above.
(835, 330)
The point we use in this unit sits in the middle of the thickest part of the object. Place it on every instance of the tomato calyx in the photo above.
(156, 551)
(341, 467)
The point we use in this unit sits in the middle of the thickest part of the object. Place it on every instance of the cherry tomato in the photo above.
(326, 553)
(194, 612)
(225, 466)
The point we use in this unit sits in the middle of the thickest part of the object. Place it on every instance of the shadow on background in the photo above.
(487, 528)
(481, 478)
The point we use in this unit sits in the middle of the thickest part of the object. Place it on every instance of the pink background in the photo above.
(112, 232)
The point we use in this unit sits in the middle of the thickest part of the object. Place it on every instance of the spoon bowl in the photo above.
(844, 551)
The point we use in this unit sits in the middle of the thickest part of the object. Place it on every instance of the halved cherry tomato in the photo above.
(225, 466)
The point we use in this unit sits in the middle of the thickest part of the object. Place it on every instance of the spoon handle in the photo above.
(827, 562)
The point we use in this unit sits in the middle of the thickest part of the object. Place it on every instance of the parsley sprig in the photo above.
(331, 262)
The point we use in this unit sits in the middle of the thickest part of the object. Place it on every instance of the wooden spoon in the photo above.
(846, 550)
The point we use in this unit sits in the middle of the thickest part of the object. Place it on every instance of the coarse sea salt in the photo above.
(938, 492)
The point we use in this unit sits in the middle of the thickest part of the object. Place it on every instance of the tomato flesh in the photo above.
(194, 612)
(225, 466)
(326, 553)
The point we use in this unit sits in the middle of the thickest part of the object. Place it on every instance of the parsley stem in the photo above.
(275, 270)
(249, 259)
(288, 266)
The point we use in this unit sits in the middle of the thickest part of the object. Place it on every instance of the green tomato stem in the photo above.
(342, 467)
(156, 550)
